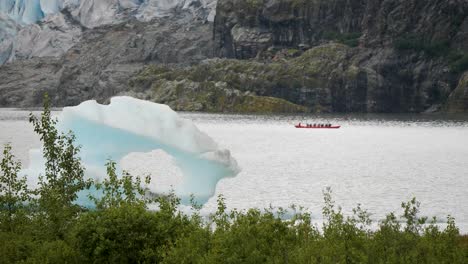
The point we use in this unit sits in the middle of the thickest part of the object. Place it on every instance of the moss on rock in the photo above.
(458, 99)
(225, 85)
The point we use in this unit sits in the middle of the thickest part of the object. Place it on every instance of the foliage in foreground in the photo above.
(46, 226)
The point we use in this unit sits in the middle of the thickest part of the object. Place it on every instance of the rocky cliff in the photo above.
(406, 55)
(258, 55)
(101, 63)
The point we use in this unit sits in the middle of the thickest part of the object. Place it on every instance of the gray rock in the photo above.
(458, 100)
(101, 63)
(409, 79)
(24, 83)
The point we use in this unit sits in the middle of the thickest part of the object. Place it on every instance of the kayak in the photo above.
(330, 127)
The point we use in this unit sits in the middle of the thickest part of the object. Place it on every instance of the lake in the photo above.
(375, 160)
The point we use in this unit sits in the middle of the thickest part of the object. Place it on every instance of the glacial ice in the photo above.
(93, 13)
(21, 11)
(51, 6)
(165, 174)
(56, 34)
(52, 38)
(7, 35)
(144, 137)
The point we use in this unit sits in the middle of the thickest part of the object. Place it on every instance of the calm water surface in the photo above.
(375, 160)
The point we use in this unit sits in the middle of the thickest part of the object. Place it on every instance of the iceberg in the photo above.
(144, 138)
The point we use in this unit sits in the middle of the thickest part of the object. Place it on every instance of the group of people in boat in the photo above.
(316, 125)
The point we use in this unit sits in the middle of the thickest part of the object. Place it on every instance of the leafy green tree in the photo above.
(122, 229)
(64, 174)
(413, 222)
(117, 192)
(344, 238)
(13, 192)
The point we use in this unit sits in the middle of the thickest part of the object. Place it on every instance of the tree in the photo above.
(121, 229)
(13, 191)
(64, 174)
(116, 192)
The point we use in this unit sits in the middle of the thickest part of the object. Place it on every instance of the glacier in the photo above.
(143, 138)
(49, 28)
(93, 13)
(22, 11)
(8, 30)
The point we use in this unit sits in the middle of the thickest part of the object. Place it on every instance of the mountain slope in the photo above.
(324, 55)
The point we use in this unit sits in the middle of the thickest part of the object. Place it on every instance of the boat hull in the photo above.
(331, 127)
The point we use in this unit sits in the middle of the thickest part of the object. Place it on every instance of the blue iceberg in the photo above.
(127, 126)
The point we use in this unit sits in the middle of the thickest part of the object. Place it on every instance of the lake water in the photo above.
(375, 160)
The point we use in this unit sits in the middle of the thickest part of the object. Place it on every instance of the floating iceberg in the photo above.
(144, 137)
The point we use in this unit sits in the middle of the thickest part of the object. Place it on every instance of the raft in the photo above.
(317, 127)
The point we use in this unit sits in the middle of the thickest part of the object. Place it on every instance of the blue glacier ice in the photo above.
(23, 11)
(51, 6)
(92, 13)
(129, 125)
(8, 31)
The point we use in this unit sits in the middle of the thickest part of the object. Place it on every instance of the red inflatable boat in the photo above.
(317, 127)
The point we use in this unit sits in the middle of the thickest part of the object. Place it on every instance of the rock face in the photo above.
(407, 55)
(23, 83)
(243, 28)
(101, 63)
(458, 100)
(204, 87)
(265, 55)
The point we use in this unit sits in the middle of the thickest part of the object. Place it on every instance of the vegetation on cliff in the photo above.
(287, 83)
(458, 100)
(413, 52)
(45, 225)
